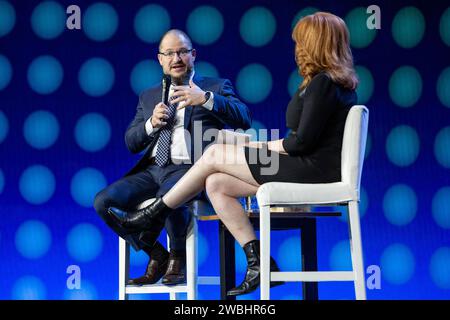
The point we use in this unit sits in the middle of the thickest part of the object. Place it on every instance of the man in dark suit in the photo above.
(174, 136)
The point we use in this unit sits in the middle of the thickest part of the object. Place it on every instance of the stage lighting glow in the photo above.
(2, 181)
(366, 84)
(96, 77)
(397, 264)
(205, 25)
(151, 22)
(84, 242)
(100, 21)
(363, 204)
(257, 26)
(360, 35)
(45, 74)
(286, 259)
(400, 204)
(444, 27)
(294, 82)
(203, 250)
(92, 132)
(48, 19)
(292, 296)
(206, 69)
(408, 27)
(340, 257)
(303, 13)
(403, 146)
(29, 288)
(33, 239)
(7, 17)
(87, 291)
(443, 87)
(41, 129)
(254, 83)
(86, 183)
(5, 72)
(441, 207)
(439, 270)
(4, 126)
(255, 134)
(144, 75)
(442, 147)
(405, 86)
(37, 184)
(138, 258)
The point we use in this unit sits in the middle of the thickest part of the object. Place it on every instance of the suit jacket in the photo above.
(228, 112)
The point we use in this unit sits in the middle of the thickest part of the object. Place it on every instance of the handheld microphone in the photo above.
(166, 81)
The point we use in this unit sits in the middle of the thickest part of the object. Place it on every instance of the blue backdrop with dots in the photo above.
(67, 96)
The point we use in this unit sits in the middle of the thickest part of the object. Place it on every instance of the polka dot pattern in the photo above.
(65, 106)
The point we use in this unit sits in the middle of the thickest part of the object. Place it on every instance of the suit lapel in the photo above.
(198, 80)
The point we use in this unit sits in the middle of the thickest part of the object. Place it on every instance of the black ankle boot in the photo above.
(252, 276)
(151, 217)
(251, 280)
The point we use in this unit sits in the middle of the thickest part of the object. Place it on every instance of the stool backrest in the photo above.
(354, 146)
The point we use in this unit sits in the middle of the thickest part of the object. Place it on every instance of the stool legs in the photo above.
(264, 225)
(309, 257)
(191, 260)
(124, 267)
(356, 250)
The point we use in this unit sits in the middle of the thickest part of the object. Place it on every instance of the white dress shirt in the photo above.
(178, 147)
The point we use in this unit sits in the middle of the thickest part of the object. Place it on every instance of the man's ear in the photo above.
(160, 59)
(194, 54)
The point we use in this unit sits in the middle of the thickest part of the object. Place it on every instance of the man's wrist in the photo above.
(209, 100)
(149, 127)
(206, 96)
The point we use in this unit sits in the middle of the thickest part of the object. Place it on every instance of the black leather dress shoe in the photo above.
(155, 270)
(176, 271)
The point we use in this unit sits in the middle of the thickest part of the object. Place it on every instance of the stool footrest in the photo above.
(155, 288)
(312, 276)
(161, 288)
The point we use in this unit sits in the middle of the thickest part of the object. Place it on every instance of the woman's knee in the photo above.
(214, 184)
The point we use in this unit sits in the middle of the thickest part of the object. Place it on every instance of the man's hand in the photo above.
(160, 114)
(191, 95)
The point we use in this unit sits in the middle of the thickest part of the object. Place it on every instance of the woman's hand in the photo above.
(256, 144)
(276, 146)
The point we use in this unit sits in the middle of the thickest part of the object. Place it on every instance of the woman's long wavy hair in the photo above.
(322, 44)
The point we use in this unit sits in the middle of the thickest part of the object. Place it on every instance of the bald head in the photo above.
(175, 33)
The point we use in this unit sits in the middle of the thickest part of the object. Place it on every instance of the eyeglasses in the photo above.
(182, 53)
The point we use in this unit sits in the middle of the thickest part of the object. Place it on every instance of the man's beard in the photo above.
(184, 79)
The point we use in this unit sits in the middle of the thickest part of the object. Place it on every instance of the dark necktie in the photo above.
(165, 138)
